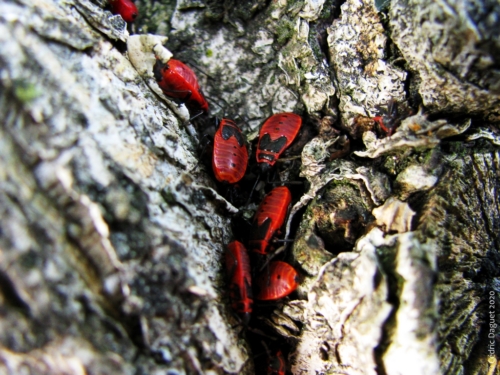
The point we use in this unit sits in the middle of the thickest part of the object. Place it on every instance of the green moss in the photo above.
(284, 30)
(343, 182)
(397, 162)
(302, 72)
(168, 196)
(458, 149)
(426, 156)
(294, 6)
(26, 92)
(326, 12)
(154, 16)
(386, 256)
(316, 49)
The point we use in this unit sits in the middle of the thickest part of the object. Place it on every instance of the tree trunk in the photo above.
(112, 230)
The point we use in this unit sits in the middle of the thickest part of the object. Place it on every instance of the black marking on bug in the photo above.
(240, 306)
(235, 295)
(269, 157)
(248, 288)
(260, 231)
(275, 146)
(158, 70)
(228, 131)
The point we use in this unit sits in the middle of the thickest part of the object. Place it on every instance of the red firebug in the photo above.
(240, 282)
(277, 282)
(178, 81)
(277, 133)
(269, 218)
(230, 155)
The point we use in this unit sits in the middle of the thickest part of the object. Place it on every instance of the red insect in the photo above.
(230, 157)
(276, 365)
(125, 8)
(177, 80)
(269, 218)
(240, 282)
(279, 281)
(277, 133)
(391, 119)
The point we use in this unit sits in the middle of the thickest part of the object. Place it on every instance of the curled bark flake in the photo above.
(414, 131)
(394, 215)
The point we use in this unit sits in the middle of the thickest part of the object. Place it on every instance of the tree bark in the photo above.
(112, 231)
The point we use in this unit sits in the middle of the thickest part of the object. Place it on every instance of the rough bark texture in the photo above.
(110, 250)
(111, 231)
(453, 50)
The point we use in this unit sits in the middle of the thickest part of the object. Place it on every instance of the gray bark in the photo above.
(112, 232)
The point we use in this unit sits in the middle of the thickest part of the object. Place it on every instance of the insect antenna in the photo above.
(253, 189)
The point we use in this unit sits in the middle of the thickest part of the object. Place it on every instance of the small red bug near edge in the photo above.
(230, 155)
(276, 365)
(269, 218)
(279, 281)
(240, 282)
(277, 133)
(177, 80)
(391, 118)
(125, 8)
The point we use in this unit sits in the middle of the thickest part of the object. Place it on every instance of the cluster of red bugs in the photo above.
(274, 279)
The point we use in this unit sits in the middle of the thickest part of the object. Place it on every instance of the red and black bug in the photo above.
(178, 81)
(276, 364)
(125, 8)
(240, 282)
(279, 281)
(269, 218)
(230, 155)
(277, 133)
(391, 119)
